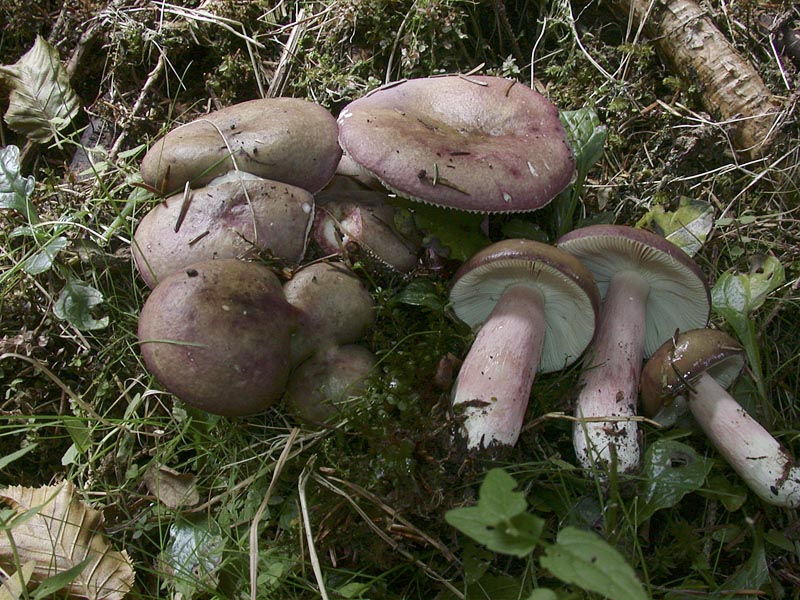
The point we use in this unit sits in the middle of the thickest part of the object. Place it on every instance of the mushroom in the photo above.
(363, 218)
(474, 143)
(650, 288)
(536, 308)
(320, 389)
(699, 365)
(285, 139)
(216, 334)
(228, 219)
(334, 308)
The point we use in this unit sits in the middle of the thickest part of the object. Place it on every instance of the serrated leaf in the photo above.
(671, 470)
(194, 555)
(499, 521)
(59, 532)
(41, 102)
(75, 303)
(42, 259)
(15, 190)
(584, 559)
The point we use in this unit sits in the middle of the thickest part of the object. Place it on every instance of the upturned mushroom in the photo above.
(474, 143)
(216, 334)
(366, 219)
(536, 307)
(229, 219)
(699, 365)
(650, 288)
(284, 139)
(333, 307)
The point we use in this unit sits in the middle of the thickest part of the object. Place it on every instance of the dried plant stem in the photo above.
(730, 86)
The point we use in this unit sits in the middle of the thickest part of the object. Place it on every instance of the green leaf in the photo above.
(688, 227)
(458, 231)
(15, 190)
(17, 454)
(57, 582)
(194, 554)
(586, 136)
(543, 594)
(584, 559)
(43, 259)
(75, 303)
(752, 574)
(521, 228)
(420, 292)
(499, 521)
(736, 295)
(41, 102)
(671, 470)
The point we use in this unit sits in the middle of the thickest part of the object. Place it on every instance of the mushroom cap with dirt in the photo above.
(475, 143)
(699, 365)
(333, 307)
(650, 289)
(284, 139)
(230, 219)
(216, 334)
(536, 308)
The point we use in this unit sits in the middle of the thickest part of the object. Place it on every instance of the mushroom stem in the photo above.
(609, 386)
(760, 460)
(494, 383)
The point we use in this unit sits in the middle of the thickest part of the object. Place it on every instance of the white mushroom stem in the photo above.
(495, 380)
(760, 460)
(609, 384)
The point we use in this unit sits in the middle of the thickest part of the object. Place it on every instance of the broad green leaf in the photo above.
(41, 102)
(543, 594)
(736, 295)
(75, 304)
(15, 190)
(499, 521)
(671, 470)
(498, 496)
(586, 136)
(584, 559)
(457, 231)
(42, 260)
(420, 292)
(688, 227)
(194, 555)
(520, 228)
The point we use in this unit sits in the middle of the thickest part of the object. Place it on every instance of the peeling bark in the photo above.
(731, 88)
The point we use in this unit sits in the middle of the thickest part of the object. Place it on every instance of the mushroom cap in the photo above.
(334, 308)
(571, 299)
(320, 387)
(679, 361)
(216, 334)
(484, 144)
(227, 220)
(285, 139)
(679, 297)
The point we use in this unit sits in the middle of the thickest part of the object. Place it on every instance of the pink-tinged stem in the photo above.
(494, 383)
(610, 381)
(760, 460)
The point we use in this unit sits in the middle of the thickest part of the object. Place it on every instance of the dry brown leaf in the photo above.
(173, 489)
(12, 586)
(58, 531)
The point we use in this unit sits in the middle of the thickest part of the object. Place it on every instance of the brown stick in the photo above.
(731, 88)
